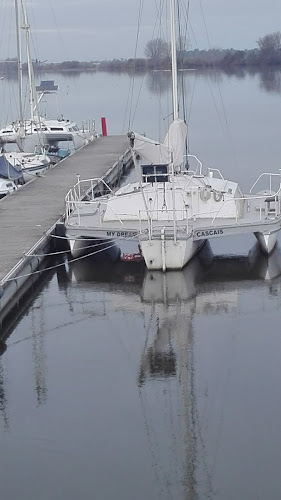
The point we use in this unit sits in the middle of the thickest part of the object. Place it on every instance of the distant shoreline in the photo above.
(204, 60)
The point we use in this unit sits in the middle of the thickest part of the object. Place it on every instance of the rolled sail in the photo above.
(171, 150)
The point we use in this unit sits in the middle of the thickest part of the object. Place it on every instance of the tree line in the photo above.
(157, 56)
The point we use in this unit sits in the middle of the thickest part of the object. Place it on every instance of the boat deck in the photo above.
(87, 221)
(29, 213)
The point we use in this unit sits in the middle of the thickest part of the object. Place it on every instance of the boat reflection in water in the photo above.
(161, 375)
(168, 386)
(205, 267)
(175, 298)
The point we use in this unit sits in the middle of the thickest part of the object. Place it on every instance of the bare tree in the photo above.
(270, 45)
(182, 44)
(157, 49)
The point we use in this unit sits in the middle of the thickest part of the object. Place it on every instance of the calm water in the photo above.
(120, 383)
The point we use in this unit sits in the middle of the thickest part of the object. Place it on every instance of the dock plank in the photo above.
(27, 214)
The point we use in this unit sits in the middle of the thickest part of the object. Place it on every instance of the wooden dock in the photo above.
(28, 214)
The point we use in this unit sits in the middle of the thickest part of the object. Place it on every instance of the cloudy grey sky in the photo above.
(106, 29)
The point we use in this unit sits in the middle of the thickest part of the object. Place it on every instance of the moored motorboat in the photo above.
(7, 186)
(30, 165)
(10, 178)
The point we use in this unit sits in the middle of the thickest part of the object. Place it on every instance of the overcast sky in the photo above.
(106, 29)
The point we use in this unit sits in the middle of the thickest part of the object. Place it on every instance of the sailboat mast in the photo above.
(32, 97)
(174, 60)
(19, 63)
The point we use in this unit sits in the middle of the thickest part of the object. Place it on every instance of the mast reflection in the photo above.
(27, 299)
(3, 398)
(39, 353)
(168, 352)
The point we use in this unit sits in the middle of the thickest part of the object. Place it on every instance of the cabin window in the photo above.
(55, 129)
(155, 173)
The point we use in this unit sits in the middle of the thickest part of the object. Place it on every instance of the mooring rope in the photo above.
(50, 268)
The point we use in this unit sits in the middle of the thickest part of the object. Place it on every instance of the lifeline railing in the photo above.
(78, 197)
(199, 164)
(199, 168)
(152, 225)
(270, 175)
(82, 193)
(265, 200)
(95, 206)
(211, 170)
(265, 206)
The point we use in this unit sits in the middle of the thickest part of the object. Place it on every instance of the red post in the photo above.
(103, 126)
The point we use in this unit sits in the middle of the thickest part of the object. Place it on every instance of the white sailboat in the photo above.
(29, 164)
(38, 132)
(169, 213)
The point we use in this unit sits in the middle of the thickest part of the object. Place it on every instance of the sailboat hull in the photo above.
(267, 241)
(80, 247)
(162, 254)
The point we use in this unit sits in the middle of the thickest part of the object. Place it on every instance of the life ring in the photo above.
(217, 195)
(205, 194)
